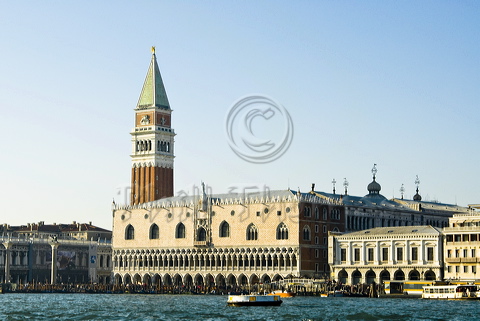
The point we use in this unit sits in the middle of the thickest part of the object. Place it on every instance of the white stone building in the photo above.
(462, 246)
(386, 253)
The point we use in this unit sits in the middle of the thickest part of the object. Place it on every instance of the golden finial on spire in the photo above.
(153, 49)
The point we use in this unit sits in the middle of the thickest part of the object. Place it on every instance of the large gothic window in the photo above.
(252, 232)
(154, 232)
(306, 233)
(180, 231)
(201, 234)
(129, 232)
(282, 232)
(224, 229)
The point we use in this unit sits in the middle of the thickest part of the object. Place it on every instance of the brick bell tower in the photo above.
(152, 141)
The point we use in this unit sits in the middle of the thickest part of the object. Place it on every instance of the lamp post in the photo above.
(54, 244)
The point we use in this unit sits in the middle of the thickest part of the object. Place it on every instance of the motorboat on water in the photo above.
(254, 300)
(451, 292)
(283, 294)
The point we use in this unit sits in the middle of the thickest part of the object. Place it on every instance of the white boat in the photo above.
(451, 292)
(254, 300)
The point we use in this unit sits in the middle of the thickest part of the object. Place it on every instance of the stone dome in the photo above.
(417, 197)
(374, 187)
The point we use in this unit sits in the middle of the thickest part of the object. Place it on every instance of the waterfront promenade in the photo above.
(361, 290)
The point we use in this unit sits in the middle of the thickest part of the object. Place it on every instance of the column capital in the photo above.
(8, 244)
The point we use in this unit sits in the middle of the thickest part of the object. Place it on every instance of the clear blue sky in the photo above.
(394, 83)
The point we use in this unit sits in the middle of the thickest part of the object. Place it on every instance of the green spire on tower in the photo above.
(153, 92)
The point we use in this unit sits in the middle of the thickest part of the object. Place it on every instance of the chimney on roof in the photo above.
(74, 222)
(90, 223)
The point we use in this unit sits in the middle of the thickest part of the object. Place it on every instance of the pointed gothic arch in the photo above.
(306, 233)
(154, 232)
(180, 231)
(252, 232)
(201, 234)
(282, 231)
(224, 229)
(129, 232)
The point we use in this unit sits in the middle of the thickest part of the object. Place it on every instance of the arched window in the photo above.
(252, 232)
(154, 232)
(282, 232)
(180, 231)
(224, 229)
(307, 211)
(306, 233)
(201, 234)
(317, 213)
(129, 232)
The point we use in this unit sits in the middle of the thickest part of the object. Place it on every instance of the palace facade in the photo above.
(224, 240)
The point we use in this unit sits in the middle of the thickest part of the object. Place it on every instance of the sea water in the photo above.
(213, 307)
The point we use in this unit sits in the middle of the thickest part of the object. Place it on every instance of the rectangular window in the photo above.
(465, 269)
(279, 213)
(316, 228)
(430, 254)
(317, 267)
(465, 238)
(474, 269)
(370, 254)
(385, 254)
(414, 253)
(457, 268)
(324, 240)
(316, 253)
(399, 253)
(343, 255)
(258, 213)
(457, 237)
(473, 237)
(474, 253)
(316, 239)
(449, 238)
(449, 253)
(325, 253)
(449, 268)
(465, 253)
(356, 255)
(324, 229)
